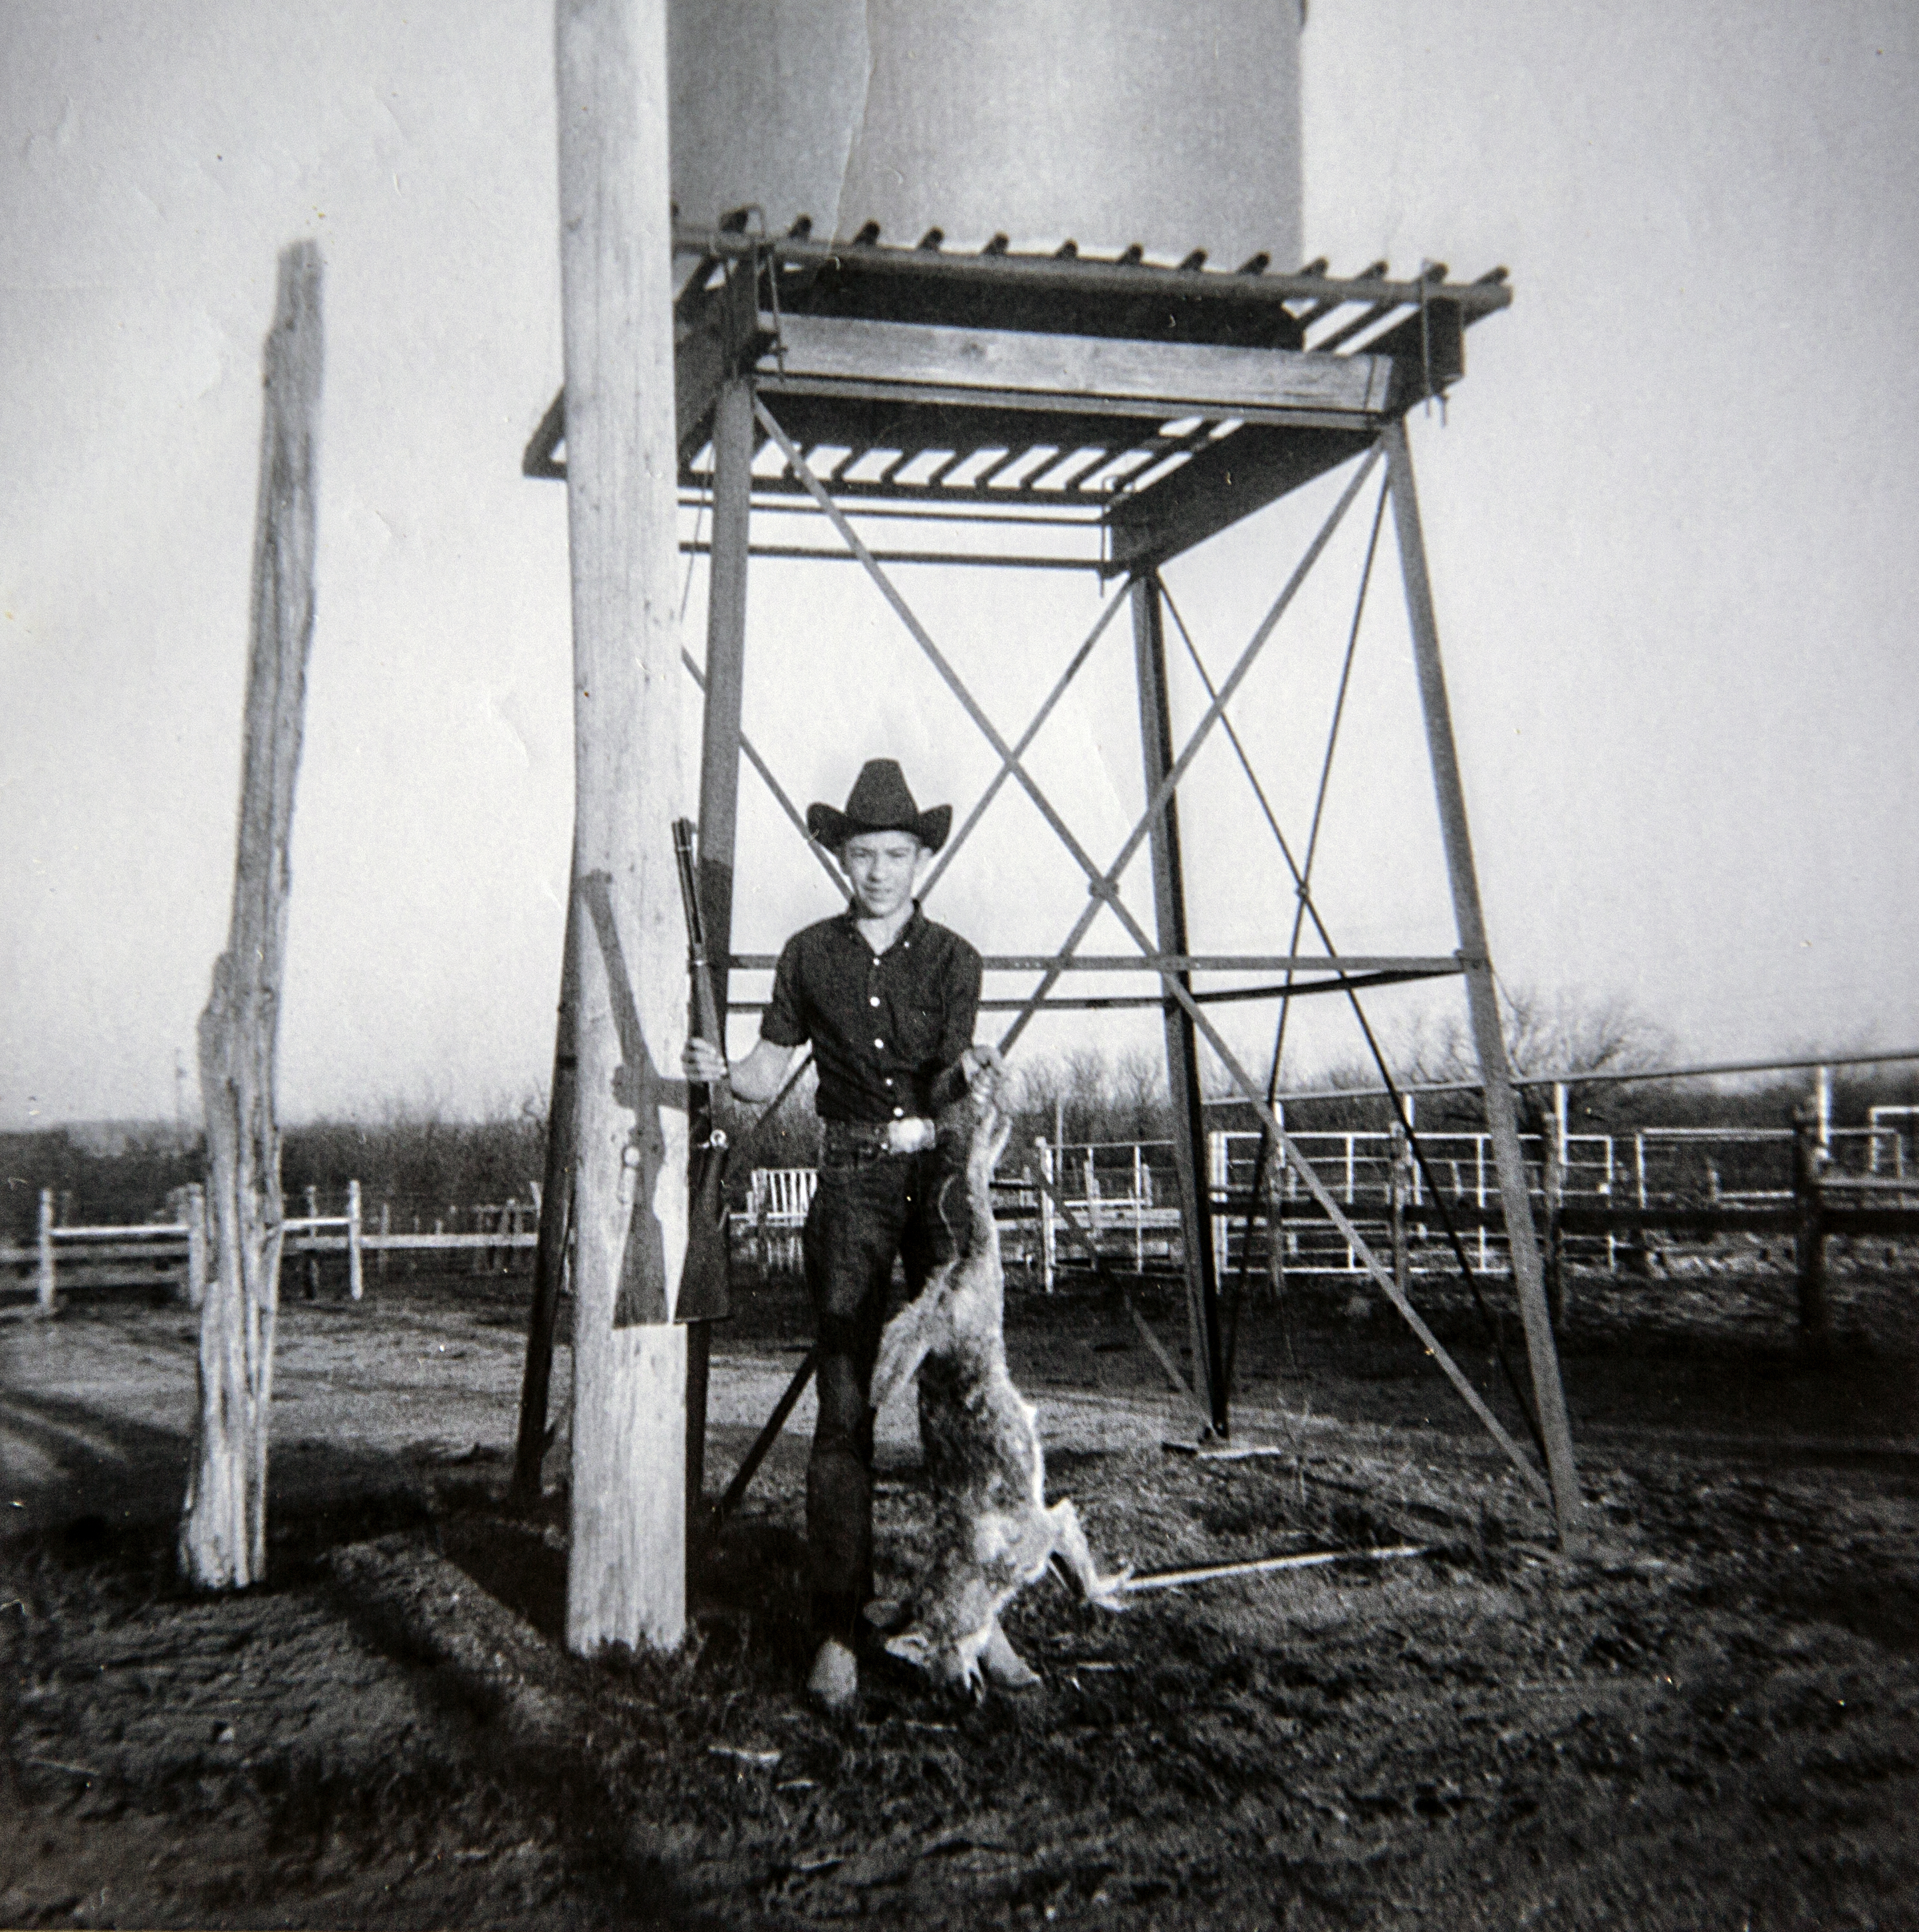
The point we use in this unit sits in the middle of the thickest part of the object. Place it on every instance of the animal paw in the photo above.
(910, 1646)
(1005, 1669)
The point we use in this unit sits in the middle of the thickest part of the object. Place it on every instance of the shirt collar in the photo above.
(917, 922)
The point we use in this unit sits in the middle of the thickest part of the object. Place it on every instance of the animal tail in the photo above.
(990, 1139)
(909, 1338)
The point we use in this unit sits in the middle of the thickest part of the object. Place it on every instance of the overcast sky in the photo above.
(1670, 517)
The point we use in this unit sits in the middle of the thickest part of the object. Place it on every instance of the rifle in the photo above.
(705, 1287)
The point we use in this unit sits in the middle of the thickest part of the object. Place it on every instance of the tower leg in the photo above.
(556, 1216)
(1482, 1005)
(719, 793)
(1182, 1070)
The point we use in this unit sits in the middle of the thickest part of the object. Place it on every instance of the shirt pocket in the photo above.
(920, 1029)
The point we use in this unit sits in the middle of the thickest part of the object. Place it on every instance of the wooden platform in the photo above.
(1151, 406)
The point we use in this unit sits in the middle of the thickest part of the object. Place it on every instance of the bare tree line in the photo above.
(424, 1155)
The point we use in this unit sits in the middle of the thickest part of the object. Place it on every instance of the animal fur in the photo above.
(993, 1530)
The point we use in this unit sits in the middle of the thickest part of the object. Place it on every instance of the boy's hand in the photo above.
(703, 1062)
(981, 1054)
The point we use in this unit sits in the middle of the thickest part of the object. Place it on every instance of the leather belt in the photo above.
(846, 1137)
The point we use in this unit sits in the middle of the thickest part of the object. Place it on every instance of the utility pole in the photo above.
(625, 1582)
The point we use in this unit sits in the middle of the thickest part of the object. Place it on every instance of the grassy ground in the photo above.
(1711, 1717)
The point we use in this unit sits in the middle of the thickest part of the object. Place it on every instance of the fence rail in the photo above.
(180, 1248)
(1596, 1199)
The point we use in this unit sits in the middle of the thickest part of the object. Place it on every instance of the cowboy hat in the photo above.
(879, 802)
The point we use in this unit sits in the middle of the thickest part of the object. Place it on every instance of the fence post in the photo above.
(1402, 1261)
(356, 1281)
(1139, 1217)
(313, 1259)
(193, 1201)
(386, 1228)
(1809, 1242)
(1638, 1243)
(1555, 1194)
(43, 1275)
(1049, 1236)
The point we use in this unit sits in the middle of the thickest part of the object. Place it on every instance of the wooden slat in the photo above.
(1245, 473)
(1073, 372)
(1071, 274)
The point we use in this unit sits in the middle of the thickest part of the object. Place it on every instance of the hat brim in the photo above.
(831, 828)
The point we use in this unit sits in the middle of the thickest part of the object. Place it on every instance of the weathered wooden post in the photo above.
(1809, 1232)
(1555, 1137)
(1396, 1190)
(44, 1251)
(1276, 1221)
(223, 1526)
(310, 1286)
(626, 1579)
(1049, 1234)
(355, 1279)
(193, 1197)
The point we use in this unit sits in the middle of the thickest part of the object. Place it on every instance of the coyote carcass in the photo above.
(993, 1530)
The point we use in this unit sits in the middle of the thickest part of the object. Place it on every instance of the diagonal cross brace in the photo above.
(1335, 1212)
(773, 784)
(1383, 1276)
(1010, 763)
(904, 611)
(1180, 1384)
(1103, 887)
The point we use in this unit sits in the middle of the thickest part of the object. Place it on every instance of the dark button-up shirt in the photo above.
(884, 1027)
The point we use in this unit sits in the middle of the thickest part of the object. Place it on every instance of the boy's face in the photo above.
(881, 867)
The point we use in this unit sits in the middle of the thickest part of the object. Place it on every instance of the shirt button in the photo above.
(880, 1043)
(899, 1113)
(872, 1000)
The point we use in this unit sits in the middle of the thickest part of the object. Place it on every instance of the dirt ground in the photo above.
(1709, 1717)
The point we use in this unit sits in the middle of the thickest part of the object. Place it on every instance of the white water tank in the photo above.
(1109, 123)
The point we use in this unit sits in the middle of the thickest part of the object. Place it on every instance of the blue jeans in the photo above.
(868, 1208)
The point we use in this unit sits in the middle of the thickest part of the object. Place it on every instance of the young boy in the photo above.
(888, 1001)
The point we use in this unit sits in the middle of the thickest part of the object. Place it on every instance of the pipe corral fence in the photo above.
(1057, 1203)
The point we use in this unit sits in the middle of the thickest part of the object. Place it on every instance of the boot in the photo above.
(834, 1683)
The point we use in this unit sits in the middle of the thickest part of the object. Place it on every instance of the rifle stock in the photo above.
(705, 1293)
